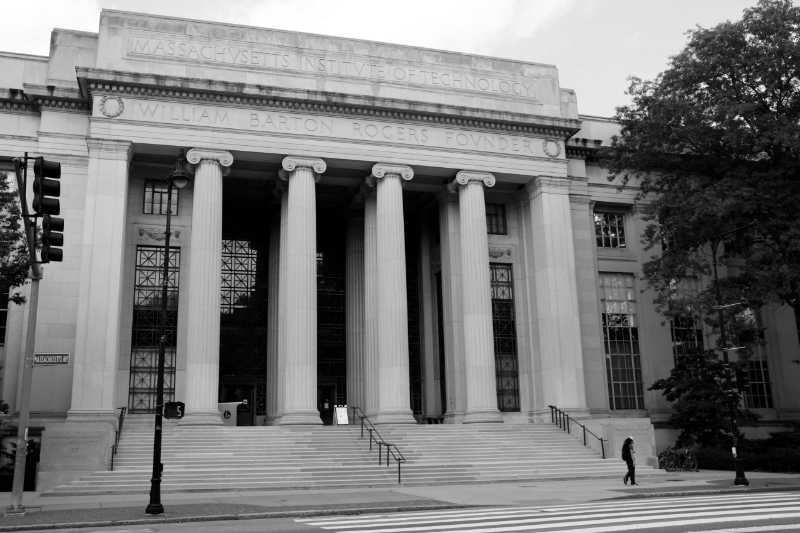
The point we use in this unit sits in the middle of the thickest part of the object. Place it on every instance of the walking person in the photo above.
(628, 456)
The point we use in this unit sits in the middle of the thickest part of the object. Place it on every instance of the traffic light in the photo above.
(45, 204)
(742, 379)
(51, 237)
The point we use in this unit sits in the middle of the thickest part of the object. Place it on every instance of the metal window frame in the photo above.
(504, 330)
(604, 222)
(162, 193)
(501, 218)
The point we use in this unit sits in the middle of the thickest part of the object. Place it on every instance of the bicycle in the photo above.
(677, 459)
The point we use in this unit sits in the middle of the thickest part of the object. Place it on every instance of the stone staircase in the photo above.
(300, 457)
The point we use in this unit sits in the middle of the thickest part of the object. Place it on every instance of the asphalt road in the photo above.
(725, 513)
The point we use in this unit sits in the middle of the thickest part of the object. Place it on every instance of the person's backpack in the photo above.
(626, 453)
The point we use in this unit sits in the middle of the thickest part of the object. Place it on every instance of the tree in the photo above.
(14, 257)
(714, 144)
(698, 390)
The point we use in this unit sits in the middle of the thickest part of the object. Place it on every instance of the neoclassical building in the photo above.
(420, 233)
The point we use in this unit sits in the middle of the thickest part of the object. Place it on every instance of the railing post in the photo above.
(398, 472)
(370, 436)
(568, 431)
(584, 435)
(603, 448)
(552, 414)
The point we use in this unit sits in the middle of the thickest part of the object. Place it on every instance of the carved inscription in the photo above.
(361, 130)
(274, 59)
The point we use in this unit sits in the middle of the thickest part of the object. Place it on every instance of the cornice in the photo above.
(548, 184)
(216, 92)
(580, 148)
(15, 104)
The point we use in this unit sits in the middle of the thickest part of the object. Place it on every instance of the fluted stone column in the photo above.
(354, 284)
(370, 298)
(476, 289)
(394, 404)
(273, 370)
(300, 393)
(202, 347)
(282, 188)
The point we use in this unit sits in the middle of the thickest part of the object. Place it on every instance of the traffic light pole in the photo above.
(18, 486)
(740, 477)
(155, 507)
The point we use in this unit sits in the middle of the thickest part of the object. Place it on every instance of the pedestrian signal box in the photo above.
(174, 410)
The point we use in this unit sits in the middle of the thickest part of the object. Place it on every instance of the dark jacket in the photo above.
(626, 452)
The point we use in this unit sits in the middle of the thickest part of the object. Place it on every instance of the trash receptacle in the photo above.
(228, 411)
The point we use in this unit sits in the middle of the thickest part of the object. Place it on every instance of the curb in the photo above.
(241, 516)
(701, 492)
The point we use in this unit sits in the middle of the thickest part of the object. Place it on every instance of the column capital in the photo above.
(292, 162)
(110, 149)
(382, 170)
(548, 184)
(465, 177)
(224, 159)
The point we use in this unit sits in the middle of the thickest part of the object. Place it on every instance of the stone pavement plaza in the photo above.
(74, 511)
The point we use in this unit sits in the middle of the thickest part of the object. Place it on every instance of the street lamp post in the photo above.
(178, 177)
(740, 477)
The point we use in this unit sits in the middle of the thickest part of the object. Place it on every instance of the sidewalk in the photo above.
(95, 511)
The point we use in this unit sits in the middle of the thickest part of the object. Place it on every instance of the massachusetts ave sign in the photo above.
(47, 359)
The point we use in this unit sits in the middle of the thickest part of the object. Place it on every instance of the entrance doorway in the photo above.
(326, 400)
(245, 394)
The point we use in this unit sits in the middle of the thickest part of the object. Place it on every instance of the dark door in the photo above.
(326, 400)
(244, 394)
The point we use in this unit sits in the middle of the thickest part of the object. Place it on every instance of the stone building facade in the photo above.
(421, 233)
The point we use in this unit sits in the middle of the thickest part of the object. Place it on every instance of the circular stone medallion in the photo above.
(112, 106)
(552, 148)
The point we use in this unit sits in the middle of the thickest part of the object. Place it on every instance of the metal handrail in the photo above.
(375, 436)
(120, 420)
(557, 416)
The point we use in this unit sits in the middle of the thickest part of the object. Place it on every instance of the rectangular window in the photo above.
(609, 229)
(4, 296)
(621, 340)
(505, 337)
(686, 329)
(496, 219)
(760, 394)
(147, 294)
(155, 198)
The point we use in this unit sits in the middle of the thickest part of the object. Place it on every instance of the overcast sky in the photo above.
(596, 44)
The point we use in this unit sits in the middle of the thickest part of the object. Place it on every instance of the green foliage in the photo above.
(32, 457)
(699, 391)
(714, 144)
(14, 257)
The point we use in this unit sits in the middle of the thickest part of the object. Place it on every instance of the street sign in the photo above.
(50, 359)
(174, 410)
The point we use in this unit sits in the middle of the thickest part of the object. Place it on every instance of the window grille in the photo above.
(440, 328)
(505, 337)
(760, 394)
(4, 296)
(496, 219)
(243, 315)
(331, 311)
(414, 347)
(621, 340)
(609, 230)
(155, 198)
(147, 325)
(686, 329)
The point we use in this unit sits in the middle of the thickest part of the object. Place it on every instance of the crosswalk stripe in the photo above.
(538, 523)
(756, 529)
(607, 505)
(512, 513)
(676, 523)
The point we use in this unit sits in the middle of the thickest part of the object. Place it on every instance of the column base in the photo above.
(272, 421)
(301, 418)
(482, 416)
(201, 417)
(402, 416)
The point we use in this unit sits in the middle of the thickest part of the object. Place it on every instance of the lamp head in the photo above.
(179, 175)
